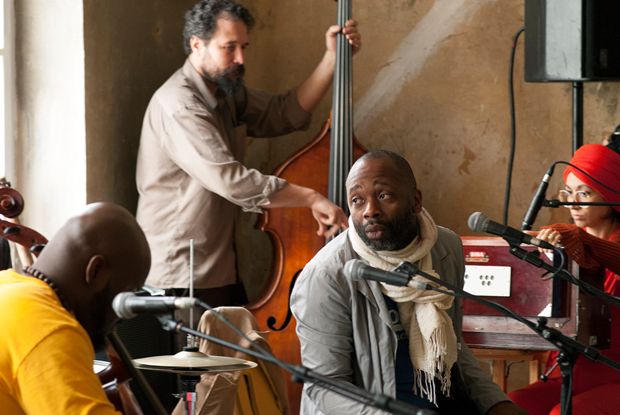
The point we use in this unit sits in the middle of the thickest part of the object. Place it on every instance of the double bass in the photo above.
(291, 231)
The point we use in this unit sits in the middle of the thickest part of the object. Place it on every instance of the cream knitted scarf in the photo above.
(432, 341)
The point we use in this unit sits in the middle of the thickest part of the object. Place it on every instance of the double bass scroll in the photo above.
(11, 206)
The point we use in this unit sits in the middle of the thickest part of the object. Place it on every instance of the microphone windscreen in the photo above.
(353, 269)
(477, 222)
(118, 305)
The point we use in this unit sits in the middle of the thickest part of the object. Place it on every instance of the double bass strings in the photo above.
(341, 153)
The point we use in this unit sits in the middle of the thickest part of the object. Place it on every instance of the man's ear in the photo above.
(416, 201)
(95, 275)
(196, 44)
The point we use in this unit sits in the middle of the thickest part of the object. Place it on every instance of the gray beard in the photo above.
(401, 231)
(223, 81)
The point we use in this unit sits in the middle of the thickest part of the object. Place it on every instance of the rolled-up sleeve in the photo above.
(194, 142)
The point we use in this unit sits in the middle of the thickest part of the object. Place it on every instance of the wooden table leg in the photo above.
(499, 373)
(534, 371)
(498, 358)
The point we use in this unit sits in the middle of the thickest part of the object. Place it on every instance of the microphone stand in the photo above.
(569, 348)
(555, 203)
(534, 259)
(300, 373)
(539, 198)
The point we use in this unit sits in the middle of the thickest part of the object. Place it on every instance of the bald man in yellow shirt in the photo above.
(54, 316)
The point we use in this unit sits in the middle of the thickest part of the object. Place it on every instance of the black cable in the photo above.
(500, 308)
(587, 288)
(263, 354)
(557, 271)
(566, 404)
(532, 258)
(575, 167)
(513, 127)
(301, 372)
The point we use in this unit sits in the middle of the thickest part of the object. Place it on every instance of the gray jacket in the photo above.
(346, 334)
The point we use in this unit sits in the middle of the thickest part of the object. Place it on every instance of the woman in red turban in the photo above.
(593, 241)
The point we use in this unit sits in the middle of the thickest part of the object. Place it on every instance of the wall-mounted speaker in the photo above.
(572, 40)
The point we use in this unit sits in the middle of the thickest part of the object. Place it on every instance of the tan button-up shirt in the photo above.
(191, 178)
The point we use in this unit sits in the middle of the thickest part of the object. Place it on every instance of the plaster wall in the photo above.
(49, 165)
(85, 72)
(131, 48)
(430, 83)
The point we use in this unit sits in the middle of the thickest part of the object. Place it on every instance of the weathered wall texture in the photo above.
(431, 83)
(49, 162)
(131, 48)
(85, 72)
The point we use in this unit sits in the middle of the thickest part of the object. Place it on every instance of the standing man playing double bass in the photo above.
(190, 172)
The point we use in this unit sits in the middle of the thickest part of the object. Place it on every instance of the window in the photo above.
(6, 84)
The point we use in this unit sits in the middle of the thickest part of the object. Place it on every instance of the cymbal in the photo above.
(99, 365)
(192, 363)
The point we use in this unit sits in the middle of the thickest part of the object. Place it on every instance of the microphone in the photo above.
(478, 222)
(356, 270)
(127, 304)
(537, 201)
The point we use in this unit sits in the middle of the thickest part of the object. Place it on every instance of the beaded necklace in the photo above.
(40, 276)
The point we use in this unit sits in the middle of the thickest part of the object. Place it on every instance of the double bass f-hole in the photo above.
(271, 321)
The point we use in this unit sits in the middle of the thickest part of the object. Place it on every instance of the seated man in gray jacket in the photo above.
(399, 341)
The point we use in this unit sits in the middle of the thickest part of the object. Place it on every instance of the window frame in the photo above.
(7, 140)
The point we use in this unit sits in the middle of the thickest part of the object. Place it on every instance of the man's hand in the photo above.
(311, 91)
(329, 215)
(350, 30)
(506, 408)
(324, 211)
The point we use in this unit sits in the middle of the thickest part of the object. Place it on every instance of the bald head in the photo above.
(383, 200)
(94, 256)
(100, 229)
(397, 161)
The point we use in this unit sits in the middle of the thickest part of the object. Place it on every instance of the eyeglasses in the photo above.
(579, 197)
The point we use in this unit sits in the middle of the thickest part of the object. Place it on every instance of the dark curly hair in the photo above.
(201, 20)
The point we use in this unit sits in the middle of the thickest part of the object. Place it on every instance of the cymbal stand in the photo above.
(303, 374)
(545, 377)
(190, 338)
(189, 393)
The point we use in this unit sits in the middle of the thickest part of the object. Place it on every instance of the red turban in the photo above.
(601, 163)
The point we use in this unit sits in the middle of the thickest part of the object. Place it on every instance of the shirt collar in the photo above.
(196, 78)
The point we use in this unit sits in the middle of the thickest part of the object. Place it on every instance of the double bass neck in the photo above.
(341, 148)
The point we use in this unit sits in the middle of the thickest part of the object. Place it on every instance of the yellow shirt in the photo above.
(46, 357)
